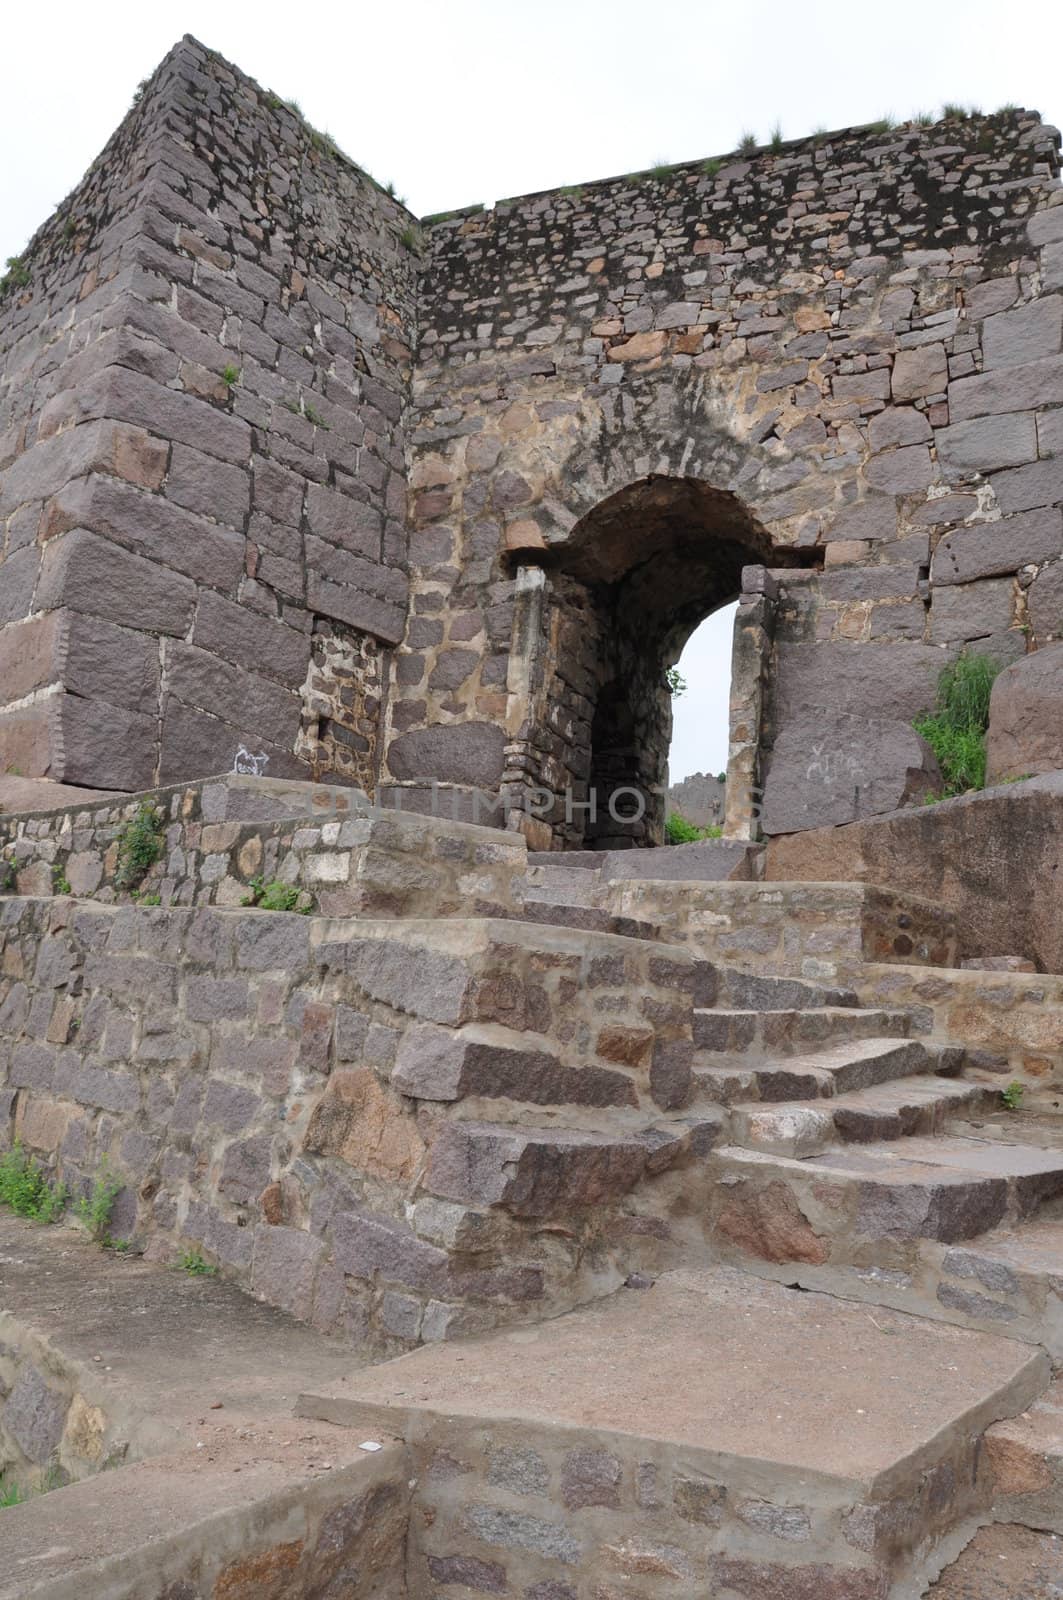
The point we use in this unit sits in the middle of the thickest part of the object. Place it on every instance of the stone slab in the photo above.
(682, 1363)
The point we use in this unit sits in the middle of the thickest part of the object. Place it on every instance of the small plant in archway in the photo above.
(676, 682)
(680, 830)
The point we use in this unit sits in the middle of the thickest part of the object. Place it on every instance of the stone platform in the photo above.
(731, 1437)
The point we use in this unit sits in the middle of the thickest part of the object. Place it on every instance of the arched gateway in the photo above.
(429, 511)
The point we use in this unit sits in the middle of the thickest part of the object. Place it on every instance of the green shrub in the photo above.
(27, 1190)
(140, 845)
(956, 730)
(1012, 1096)
(679, 830)
(277, 896)
(676, 682)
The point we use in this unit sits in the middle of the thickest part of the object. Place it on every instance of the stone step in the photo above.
(1004, 1561)
(946, 1189)
(840, 1069)
(748, 991)
(548, 1171)
(573, 886)
(788, 1031)
(562, 914)
(903, 1108)
(724, 1435)
(1025, 1456)
(491, 1062)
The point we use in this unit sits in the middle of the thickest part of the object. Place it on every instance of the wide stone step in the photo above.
(901, 1109)
(1025, 1456)
(724, 1435)
(840, 1069)
(749, 991)
(491, 1062)
(574, 886)
(786, 1032)
(561, 914)
(947, 1189)
(548, 1171)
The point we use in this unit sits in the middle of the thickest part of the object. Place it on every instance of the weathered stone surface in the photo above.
(987, 443)
(469, 752)
(971, 610)
(535, 1174)
(1029, 333)
(920, 372)
(435, 1064)
(767, 1223)
(35, 1415)
(835, 769)
(1026, 717)
(990, 549)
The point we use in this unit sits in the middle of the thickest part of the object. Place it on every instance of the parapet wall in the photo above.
(202, 473)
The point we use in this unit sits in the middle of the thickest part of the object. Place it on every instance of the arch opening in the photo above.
(635, 578)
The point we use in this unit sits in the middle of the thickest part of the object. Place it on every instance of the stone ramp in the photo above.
(710, 1429)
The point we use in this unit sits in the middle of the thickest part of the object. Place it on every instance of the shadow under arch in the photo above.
(627, 586)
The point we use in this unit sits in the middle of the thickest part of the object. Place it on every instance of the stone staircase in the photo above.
(476, 1093)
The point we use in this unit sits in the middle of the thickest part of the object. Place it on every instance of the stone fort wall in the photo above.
(422, 509)
(203, 474)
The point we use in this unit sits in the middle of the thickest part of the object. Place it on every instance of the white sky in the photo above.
(464, 101)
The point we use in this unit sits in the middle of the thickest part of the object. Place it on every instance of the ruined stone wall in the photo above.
(202, 477)
(855, 341)
(310, 1102)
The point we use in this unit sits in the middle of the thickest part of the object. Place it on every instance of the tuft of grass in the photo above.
(956, 729)
(776, 137)
(924, 119)
(711, 168)
(277, 896)
(1012, 1096)
(95, 1208)
(883, 125)
(660, 168)
(747, 144)
(140, 845)
(315, 417)
(196, 1265)
(411, 238)
(60, 881)
(27, 1190)
(952, 112)
(230, 376)
(10, 1493)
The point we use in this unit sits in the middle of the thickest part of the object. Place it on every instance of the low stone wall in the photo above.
(313, 1103)
(812, 930)
(994, 858)
(1014, 1020)
(178, 1529)
(216, 837)
(51, 1430)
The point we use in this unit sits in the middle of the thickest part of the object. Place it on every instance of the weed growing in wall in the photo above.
(17, 276)
(277, 896)
(94, 1209)
(140, 845)
(27, 1190)
(956, 730)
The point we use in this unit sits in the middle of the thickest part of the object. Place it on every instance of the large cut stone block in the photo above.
(827, 767)
(1026, 717)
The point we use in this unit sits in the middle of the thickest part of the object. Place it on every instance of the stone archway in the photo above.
(615, 603)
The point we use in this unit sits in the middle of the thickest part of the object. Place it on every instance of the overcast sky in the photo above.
(465, 101)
